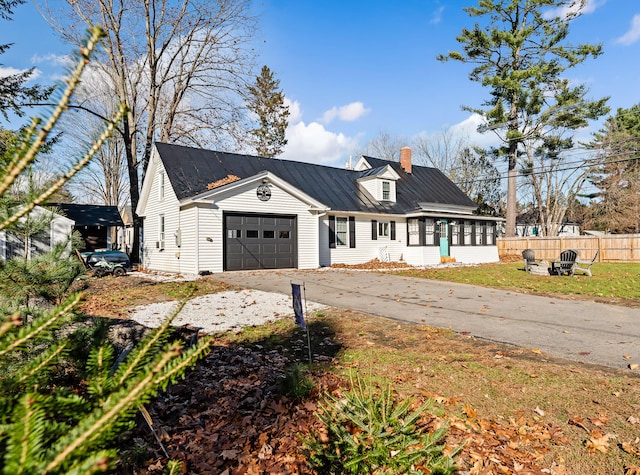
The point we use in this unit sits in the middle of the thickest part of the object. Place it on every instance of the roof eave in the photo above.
(210, 196)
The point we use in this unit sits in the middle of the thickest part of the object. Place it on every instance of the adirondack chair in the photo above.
(529, 259)
(584, 266)
(566, 264)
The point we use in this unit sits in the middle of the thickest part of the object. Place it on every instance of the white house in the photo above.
(12, 244)
(207, 211)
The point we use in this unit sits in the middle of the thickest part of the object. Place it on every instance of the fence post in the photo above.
(599, 248)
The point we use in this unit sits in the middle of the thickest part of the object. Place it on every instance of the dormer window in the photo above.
(386, 191)
(380, 183)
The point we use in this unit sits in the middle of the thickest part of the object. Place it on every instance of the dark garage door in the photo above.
(255, 241)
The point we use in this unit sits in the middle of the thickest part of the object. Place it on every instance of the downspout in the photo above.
(197, 243)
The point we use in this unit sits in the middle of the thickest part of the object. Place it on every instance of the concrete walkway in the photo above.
(578, 330)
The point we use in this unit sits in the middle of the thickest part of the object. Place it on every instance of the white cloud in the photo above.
(312, 142)
(633, 34)
(436, 16)
(589, 7)
(9, 71)
(348, 113)
(468, 130)
(54, 59)
(295, 114)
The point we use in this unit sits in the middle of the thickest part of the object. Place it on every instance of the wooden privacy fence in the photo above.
(612, 247)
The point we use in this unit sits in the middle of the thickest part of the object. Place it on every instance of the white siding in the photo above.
(246, 201)
(366, 248)
(475, 254)
(210, 239)
(421, 256)
(169, 259)
(370, 186)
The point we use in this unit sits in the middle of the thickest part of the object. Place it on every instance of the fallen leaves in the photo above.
(598, 442)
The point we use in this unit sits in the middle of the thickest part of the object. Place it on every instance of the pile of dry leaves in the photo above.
(228, 417)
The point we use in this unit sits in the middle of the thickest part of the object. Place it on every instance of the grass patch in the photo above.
(611, 282)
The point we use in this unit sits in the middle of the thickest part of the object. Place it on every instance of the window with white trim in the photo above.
(341, 231)
(479, 232)
(386, 191)
(429, 231)
(490, 228)
(468, 233)
(161, 187)
(455, 233)
(413, 228)
(383, 229)
(161, 232)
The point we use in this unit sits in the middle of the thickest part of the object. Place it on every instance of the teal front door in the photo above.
(444, 238)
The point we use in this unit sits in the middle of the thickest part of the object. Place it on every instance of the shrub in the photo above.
(296, 383)
(367, 431)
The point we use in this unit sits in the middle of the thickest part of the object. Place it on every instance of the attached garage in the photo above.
(259, 241)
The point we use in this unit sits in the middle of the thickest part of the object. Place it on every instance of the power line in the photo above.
(503, 176)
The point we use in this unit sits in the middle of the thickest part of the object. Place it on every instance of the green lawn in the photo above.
(614, 282)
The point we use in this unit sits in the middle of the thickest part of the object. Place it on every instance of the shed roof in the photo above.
(91, 215)
(191, 170)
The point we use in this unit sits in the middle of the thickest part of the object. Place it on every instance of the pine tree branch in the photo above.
(140, 354)
(43, 363)
(40, 326)
(115, 407)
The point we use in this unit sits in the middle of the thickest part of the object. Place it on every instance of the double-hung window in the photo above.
(413, 228)
(341, 231)
(386, 191)
(161, 232)
(490, 228)
(429, 231)
(383, 229)
(468, 233)
(161, 186)
(455, 233)
(479, 233)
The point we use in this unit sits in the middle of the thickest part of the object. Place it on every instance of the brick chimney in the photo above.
(405, 159)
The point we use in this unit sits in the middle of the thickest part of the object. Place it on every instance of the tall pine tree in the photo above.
(617, 174)
(267, 102)
(519, 53)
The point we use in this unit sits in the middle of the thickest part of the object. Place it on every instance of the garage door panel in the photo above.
(285, 249)
(249, 220)
(269, 248)
(233, 220)
(260, 242)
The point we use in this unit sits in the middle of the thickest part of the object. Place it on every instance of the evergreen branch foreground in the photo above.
(65, 395)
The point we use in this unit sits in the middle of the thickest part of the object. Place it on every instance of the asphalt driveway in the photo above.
(578, 330)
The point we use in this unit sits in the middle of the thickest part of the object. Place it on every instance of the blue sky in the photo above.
(352, 69)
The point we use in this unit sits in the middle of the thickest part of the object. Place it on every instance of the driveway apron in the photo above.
(582, 331)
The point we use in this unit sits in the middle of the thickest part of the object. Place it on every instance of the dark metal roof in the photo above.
(91, 215)
(191, 170)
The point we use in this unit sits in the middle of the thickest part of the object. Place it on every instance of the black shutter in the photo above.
(393, 230)
(352, 231)
(332, 231)
(374, 230)
(473, 233)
